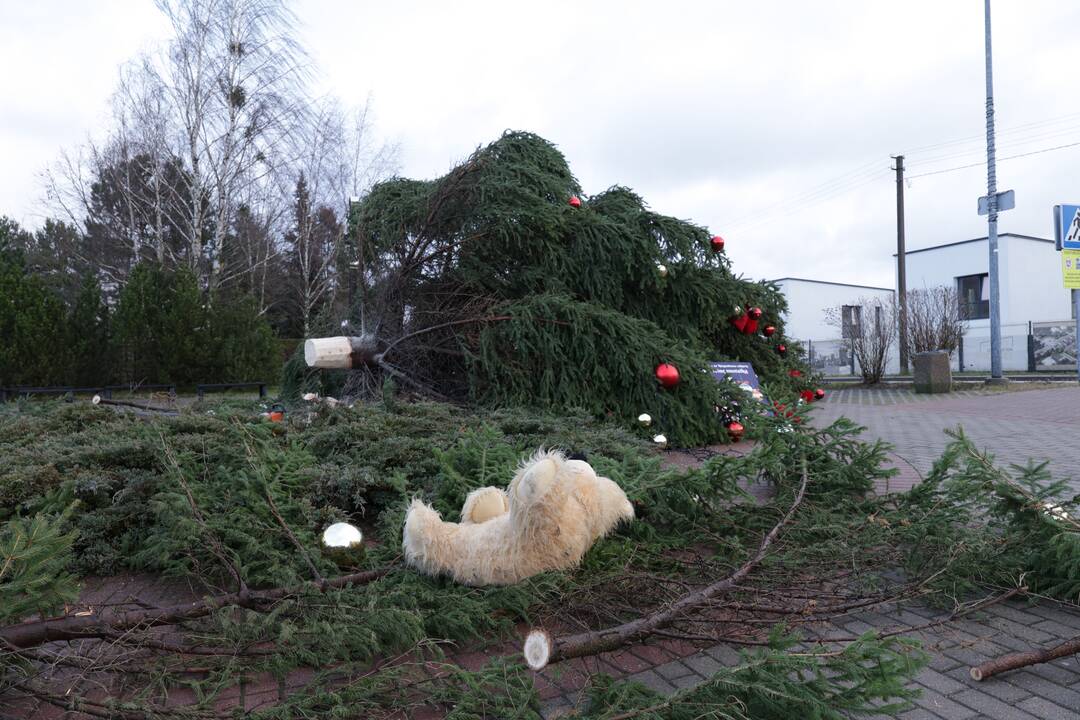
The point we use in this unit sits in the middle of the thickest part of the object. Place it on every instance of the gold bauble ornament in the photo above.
(644, 419)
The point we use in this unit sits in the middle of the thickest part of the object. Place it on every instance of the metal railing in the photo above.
(1025, 347)
(105, 391)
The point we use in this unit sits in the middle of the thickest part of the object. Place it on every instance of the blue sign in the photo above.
(741, 373)
(1067, 227)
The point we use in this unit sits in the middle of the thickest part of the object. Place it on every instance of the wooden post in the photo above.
(341, 352)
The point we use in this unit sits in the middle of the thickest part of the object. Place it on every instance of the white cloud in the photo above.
(726, 113)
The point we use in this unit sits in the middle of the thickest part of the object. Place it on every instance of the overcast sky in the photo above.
(771, 123)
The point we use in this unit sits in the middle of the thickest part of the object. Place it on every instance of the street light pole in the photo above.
(992, 207)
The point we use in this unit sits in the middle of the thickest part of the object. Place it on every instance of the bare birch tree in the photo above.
(235, 77)
(868, 330)
(934, 320)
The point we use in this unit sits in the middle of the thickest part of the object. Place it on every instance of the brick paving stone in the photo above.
(626, 662)
(652, 654)
(990, 707)
(1056, 630)
(934, 680)
(1019, 613)
(556, 708)
(1047, 710)
(703, 664)
(918, 714)
(943, 707)
(725, 654)
(687, 681)
(674, 670)
(1066, 616)
(653, 681)
(943, 663)
(1015, 629)
(1043, 686)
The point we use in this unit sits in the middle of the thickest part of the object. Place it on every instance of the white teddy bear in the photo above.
(553, 511)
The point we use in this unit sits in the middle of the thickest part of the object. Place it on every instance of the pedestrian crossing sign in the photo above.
(1067, 227)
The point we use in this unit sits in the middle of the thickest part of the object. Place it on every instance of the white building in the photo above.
(807, 318)
(1033, 302)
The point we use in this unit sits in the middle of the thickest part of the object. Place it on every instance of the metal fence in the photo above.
(1025, 347)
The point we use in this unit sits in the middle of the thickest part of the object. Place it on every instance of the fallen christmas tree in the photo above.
(490, 285)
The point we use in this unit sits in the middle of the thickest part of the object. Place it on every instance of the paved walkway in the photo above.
(1014, 425)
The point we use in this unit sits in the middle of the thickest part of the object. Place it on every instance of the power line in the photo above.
(1014, 142)
(839, 180)
(869, 172)
(792, 206)
(979, 164)
(1006, 130)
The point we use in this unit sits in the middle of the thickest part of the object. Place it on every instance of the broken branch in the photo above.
(541, 649)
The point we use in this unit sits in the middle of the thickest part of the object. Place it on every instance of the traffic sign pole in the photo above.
(1067, 240)
(992, 212)
(1076, 314)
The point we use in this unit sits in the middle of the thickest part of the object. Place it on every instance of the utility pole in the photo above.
(901, 264)
(992, 207)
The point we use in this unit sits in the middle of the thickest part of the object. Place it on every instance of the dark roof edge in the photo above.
(829, 282)
(978, 239)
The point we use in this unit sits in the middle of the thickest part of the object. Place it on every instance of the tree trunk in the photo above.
(1016, 660)
(108, 622)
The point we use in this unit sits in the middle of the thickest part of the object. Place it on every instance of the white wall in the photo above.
(808, 301)
(1030, 284)
(1030, 289)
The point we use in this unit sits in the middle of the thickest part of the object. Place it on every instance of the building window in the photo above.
(974, 296)
(851, 317)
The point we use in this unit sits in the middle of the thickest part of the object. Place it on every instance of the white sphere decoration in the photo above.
(342, 535)
(343, 544)
(662, 270)
(644, 419)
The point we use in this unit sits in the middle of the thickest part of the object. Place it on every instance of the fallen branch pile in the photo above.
(541, 649)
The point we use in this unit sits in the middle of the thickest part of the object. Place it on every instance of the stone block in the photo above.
(931, 372)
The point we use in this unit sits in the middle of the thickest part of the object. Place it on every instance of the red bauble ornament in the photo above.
(717, 243)
(782, 349)
(667, 374)
(794, 373)
(768, 331)
(735, 429)
(754, 312)
(807, 395)
(819, 394)
(575, 201)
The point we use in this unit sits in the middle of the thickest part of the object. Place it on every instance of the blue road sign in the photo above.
(1067, 227)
